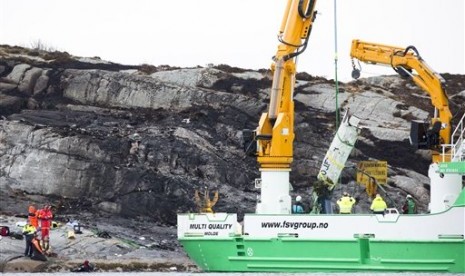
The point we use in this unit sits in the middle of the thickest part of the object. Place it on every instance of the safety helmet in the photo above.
(298, 198)
(409, 196)
(345, 194)
(136, 137)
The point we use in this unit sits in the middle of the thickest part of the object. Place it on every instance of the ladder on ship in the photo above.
(459, 148)
(455, 150)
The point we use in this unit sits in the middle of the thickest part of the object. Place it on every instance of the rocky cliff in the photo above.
(66, 124)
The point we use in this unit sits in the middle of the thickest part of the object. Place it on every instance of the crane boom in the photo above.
(272, 141)
(408, 63)
(275, 132)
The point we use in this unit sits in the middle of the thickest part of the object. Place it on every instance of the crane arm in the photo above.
(408, 63)
(274, 135)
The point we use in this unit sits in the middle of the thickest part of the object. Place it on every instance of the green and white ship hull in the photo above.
(302, 243)
(273, 240)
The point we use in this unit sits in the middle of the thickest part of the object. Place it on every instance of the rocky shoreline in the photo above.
(154, 251)
(66, 137)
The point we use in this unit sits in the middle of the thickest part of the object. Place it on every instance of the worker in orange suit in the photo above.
(32, 216)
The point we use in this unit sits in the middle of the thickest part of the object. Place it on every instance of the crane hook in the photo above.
(355, 71)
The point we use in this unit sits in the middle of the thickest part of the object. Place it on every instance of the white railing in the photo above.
(457, 145)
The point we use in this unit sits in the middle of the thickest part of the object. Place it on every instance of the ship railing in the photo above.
(456, 149)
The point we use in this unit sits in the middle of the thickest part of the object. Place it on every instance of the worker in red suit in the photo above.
(45, 216)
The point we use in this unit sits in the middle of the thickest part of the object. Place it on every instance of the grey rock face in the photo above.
(29, 80)
(41, 83)
(115, 89)
(189, 77)
(18, 73)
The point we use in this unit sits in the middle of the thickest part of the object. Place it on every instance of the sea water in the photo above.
(368, 273)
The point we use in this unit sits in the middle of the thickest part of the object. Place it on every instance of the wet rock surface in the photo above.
(66, 125)
(131, 246)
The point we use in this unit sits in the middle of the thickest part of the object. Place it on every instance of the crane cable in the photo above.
(335, 77)
(335, 72)
(335, 65)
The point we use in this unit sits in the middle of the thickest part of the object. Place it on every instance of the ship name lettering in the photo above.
(198, 226)
(221, 226)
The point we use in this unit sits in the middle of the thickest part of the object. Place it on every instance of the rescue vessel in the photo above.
(432, 242)
(274, 240)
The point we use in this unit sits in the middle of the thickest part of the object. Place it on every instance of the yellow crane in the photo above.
(408, 63)
(272, 141)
